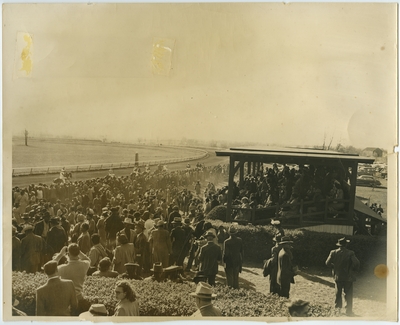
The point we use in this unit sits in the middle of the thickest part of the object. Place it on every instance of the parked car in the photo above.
(366, 180)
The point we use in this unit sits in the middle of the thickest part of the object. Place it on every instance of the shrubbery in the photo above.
(165, 299)
(310, 249)
(217, 213)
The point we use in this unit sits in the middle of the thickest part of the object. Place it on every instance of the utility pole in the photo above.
(26, 137)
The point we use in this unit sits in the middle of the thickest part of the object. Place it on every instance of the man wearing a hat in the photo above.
(299, 308)
(286, 273)
(128, 231)
(94, 310)
(113, 224)
(344, 263)
(16, 250)
(31, 250)
(160, 244)
(204, 295)
(101, 226)
(178, 237)
(158, 273)
(132, 270)
(141, 245)
(174, 214)
(57, 297)
(209, 256)
(233, 258)
(56, 237)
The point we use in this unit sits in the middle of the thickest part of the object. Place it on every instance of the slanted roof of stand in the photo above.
(288, 155)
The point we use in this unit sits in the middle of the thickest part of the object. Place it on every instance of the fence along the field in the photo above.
(93, 167)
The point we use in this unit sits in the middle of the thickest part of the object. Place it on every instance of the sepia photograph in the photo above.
(193, 161)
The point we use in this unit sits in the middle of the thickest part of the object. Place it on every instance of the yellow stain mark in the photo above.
(162, 56)
(26, 55)
(381, 271)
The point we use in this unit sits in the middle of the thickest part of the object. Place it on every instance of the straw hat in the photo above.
(128, 221)
(95, 310)
(203, 290)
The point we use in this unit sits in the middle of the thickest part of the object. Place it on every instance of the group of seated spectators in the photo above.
(288, 186)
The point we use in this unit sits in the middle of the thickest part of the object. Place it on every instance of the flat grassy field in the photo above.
(59, 152)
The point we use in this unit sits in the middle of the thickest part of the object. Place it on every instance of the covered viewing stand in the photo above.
(248, 161)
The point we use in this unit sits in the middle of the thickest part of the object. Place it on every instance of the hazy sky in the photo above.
(272, 72)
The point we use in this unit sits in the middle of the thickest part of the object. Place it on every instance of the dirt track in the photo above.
(23, 181)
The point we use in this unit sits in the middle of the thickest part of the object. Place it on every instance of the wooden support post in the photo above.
(352, 192)
(230, 189)
(241, 175)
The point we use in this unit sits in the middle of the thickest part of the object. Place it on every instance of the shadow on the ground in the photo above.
(249, 271)
(314, 278)
(243, 283)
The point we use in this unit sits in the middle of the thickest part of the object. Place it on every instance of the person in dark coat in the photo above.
(31, 250)
(344, 263)
(56, 237)
(197, 233)
(187, 243)
(174, 214)
(178, 236)
(233, 258)
(273, 285)
(113, 224)
(285, 275)
(141, 245)
(209, 256)
(16, 250)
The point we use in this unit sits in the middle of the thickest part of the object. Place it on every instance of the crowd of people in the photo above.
(282, 271)
(151, 227)
(287, 186)
(132, 227)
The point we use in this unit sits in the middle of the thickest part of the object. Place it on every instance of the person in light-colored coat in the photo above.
(57, 297)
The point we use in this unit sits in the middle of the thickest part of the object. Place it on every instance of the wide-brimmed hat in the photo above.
(200, 276)
(133, 265)
(232, 230)
(244, 199)
(105, 209)
(95, 310)
(140, 224)
(203, 290)
(27, 227)
(80, 217)
(342, 242)
(54, 219)
(177, 220)
(128, 221)
(160, 223)
(157, 267)
(175, 207)
(285, 240)
(209, 234)
(186, 221)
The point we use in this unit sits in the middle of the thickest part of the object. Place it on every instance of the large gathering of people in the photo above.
(152, 227)
(142, 226)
